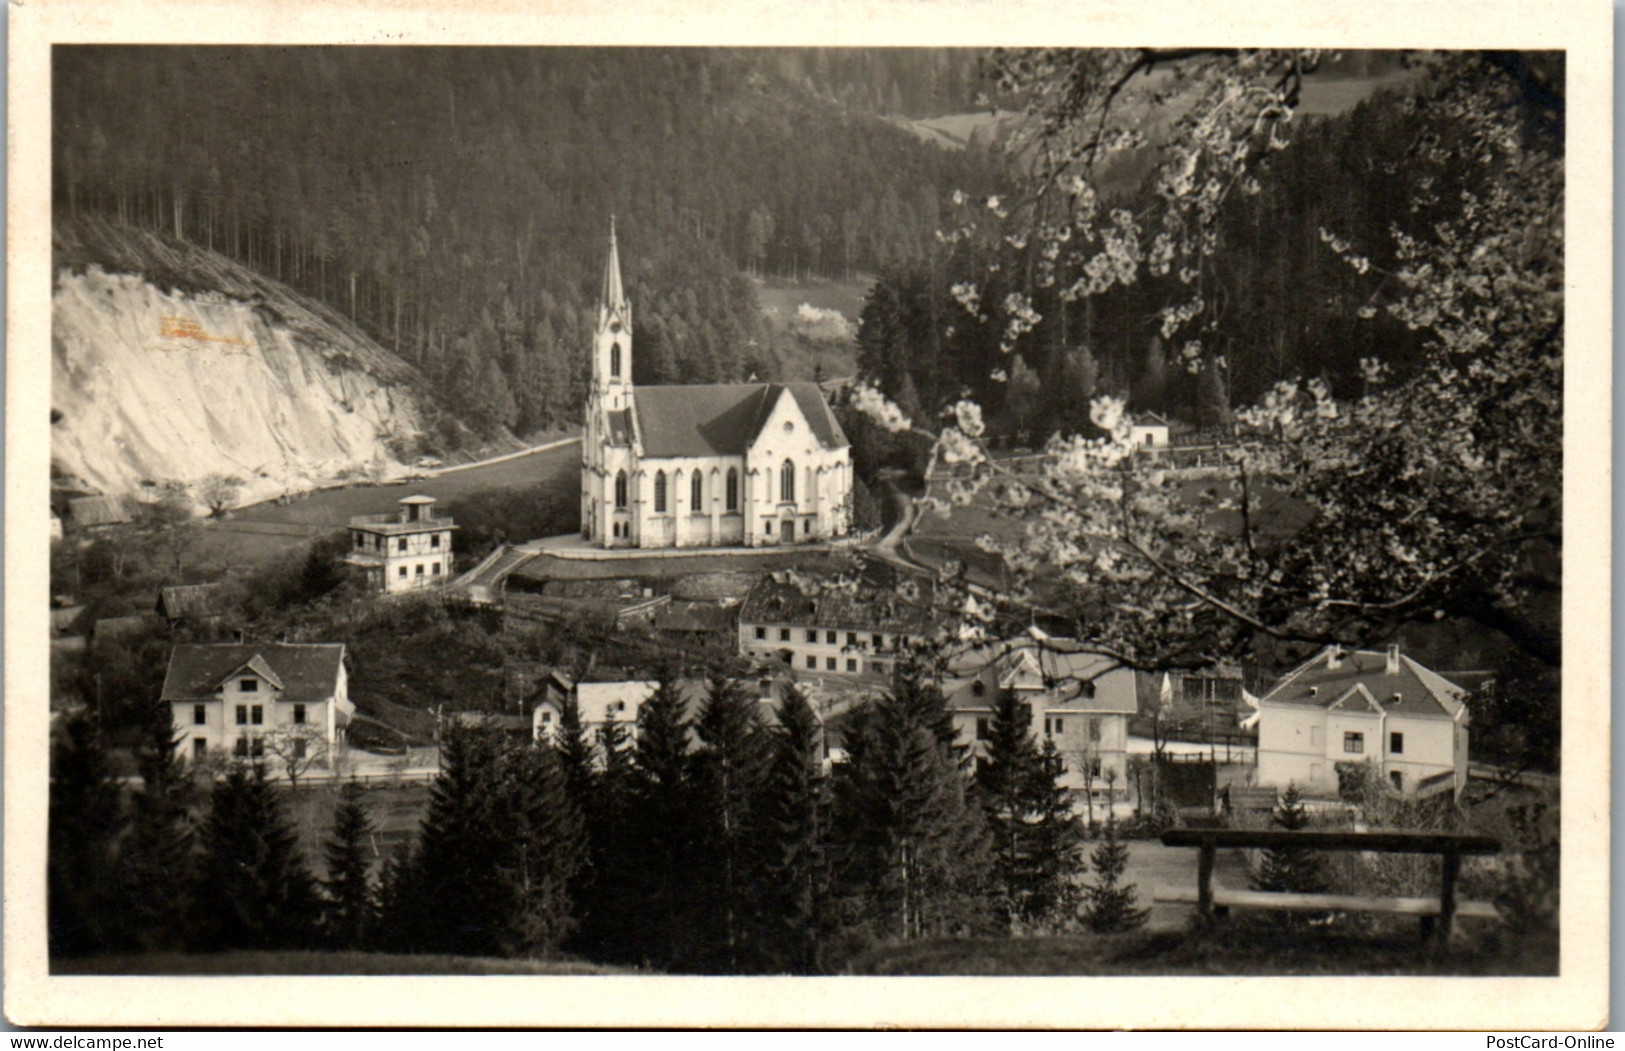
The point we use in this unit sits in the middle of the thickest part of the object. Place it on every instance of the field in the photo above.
(800, 358)
(548, 568)
(262, 532)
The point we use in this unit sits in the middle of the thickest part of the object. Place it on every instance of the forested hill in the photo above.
(454, 201)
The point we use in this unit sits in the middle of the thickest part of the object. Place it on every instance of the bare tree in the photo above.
(219, 492)
(296, 747)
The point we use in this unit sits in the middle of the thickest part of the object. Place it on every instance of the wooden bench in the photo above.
(1436, 914)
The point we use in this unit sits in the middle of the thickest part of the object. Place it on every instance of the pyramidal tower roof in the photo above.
(613, 297)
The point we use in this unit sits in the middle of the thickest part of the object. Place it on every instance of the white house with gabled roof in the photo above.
(1381, 708)
(227, 698)
(1079, 699)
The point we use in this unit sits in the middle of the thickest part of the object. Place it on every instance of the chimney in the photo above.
(1393, 659)
(1334, 658)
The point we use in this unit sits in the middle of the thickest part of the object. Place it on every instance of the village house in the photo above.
(1149, 430)
(856, 629)
(611, 695)
(708, 464)
(226, 698)
(405, 551)
(1080, 700)
(1384, 709)
(98, 513)
(190, 606)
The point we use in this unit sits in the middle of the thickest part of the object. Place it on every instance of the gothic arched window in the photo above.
(787, 483)
(660, 492)
(620, 489)
(614, 359)
(733, 489)
(696, 492)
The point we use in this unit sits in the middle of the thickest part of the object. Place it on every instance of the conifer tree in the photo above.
(1290, 868)
(575, 753)
(259, 892)
(728, 771)
(84, 825)
(451, 899)
(545, 848)
(1034, 834)
(157, 858)
(351, 906)
(1057, 839)
(607, 928)
(1110, 907)
(661, 843)
(794, 828)
(913, 855)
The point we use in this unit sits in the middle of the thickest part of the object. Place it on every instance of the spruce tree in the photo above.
(794, 827)
(1004, 778)
(607, 928)
(84, 825)
(913, 855)
(661, 843)
(545, 848)
(1034, 834)
(253, 889)
(1109, 905)
(1055, 840)
(450, 899)
(575, 752)
(1290, 868)
(157, 858)
(728, 772)
(350, 910)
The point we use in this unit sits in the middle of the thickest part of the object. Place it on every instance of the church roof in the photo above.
(723, 419)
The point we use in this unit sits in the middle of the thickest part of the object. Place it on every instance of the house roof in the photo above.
(781, 598)
(307, 671)
(1057, 667)
(1411, 690)
(87, 511)
(721, 419)
(1151, 419)
(187, 600)
(62, 620)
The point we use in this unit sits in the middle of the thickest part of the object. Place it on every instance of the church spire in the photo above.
(612, 298)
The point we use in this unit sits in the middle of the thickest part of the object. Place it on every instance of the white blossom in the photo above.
(876, 406)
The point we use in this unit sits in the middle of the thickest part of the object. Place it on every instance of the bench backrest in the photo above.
(1383, 842)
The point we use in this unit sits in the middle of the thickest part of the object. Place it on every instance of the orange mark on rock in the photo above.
(171, 327)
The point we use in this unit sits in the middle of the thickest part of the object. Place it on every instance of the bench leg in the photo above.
(1204, 879)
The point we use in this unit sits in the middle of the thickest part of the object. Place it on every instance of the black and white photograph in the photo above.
(594, 511)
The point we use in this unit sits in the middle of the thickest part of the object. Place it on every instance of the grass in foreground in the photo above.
(1225, 950)
(305, 963)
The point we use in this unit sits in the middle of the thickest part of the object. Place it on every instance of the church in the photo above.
(704, 465)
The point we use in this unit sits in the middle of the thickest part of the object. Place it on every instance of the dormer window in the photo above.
(248, 686)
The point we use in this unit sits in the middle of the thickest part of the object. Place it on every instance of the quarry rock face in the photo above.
(151, 386)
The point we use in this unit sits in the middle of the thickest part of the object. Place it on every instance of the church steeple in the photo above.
(612, 298)
(612, 342)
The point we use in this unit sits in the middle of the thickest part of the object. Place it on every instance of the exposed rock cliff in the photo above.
(172, 363)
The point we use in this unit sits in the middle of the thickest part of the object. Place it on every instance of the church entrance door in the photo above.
(787, 531)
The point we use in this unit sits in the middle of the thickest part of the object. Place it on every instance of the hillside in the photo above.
(170, 362)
